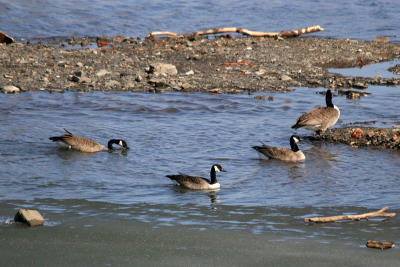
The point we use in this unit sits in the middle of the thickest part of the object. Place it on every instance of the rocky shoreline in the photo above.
(220, 65)
(372, 137)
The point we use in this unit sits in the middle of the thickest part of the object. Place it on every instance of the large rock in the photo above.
(5, 38)
(163, 69)
(31, 217)
(102, 72)
(10, 89)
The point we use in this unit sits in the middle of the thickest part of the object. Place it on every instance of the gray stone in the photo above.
(138, 78)
(31, 217)
(102, 72)
(112, 83)
(285, 78)
(10, 89)
(163, 69)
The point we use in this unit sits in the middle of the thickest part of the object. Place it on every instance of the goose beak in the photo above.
(223, 170)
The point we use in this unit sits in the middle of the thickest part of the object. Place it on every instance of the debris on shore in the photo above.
(380, 244)
(218, 65)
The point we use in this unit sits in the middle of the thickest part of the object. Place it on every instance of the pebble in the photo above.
(10, 89)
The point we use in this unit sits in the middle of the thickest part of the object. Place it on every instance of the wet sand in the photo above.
(115, 243)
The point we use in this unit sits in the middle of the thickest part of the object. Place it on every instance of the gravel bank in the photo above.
(221, 65)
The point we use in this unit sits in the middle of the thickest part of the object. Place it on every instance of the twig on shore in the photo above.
(380, 244)
(356, 217)
(292, 33)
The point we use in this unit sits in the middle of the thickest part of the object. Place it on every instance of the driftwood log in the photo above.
(380, 244)
(354, 217)
(292, 33)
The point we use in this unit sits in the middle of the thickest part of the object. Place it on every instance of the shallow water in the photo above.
(344, 19)
(173, 132)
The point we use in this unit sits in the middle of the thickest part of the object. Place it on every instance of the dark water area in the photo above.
(341, 19)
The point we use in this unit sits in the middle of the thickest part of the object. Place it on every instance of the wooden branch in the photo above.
(292, 33)
(357, 217)
(380, 244)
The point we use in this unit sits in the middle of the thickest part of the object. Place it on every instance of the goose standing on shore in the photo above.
(321, 118)
(294, 154)
(199, 183)
(83, 144)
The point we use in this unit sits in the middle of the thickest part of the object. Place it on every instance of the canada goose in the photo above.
(193, 182)
(83, 144)
(320, 118)
(293, 154)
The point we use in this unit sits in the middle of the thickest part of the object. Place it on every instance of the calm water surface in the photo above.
(173, 132)
(345, 19)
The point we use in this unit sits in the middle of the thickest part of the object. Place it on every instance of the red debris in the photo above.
(357, 133)
(101, 44)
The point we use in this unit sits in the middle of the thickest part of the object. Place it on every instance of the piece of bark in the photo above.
(31, 217)
(292, 33)
(380, 244)
(357, 217)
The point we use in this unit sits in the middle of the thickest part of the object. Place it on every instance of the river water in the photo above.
(360, 19)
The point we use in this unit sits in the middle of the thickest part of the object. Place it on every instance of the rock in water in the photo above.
(10, 89)
(31, 217)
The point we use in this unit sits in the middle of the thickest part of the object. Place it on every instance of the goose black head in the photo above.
(217, 168)
(119, 142)
(293, 140)
(328, 98)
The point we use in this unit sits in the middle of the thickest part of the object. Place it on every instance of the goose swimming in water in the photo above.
(321, 118)
(294, 154)
(83, 144)
(194, 182)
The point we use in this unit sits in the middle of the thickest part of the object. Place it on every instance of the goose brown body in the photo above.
(198, 183)
(294, 154)
(320, 118)
(84, 144)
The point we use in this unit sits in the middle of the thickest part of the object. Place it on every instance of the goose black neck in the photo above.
(111, 142)
(213, 175)
(293, 145)
(328, 99)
